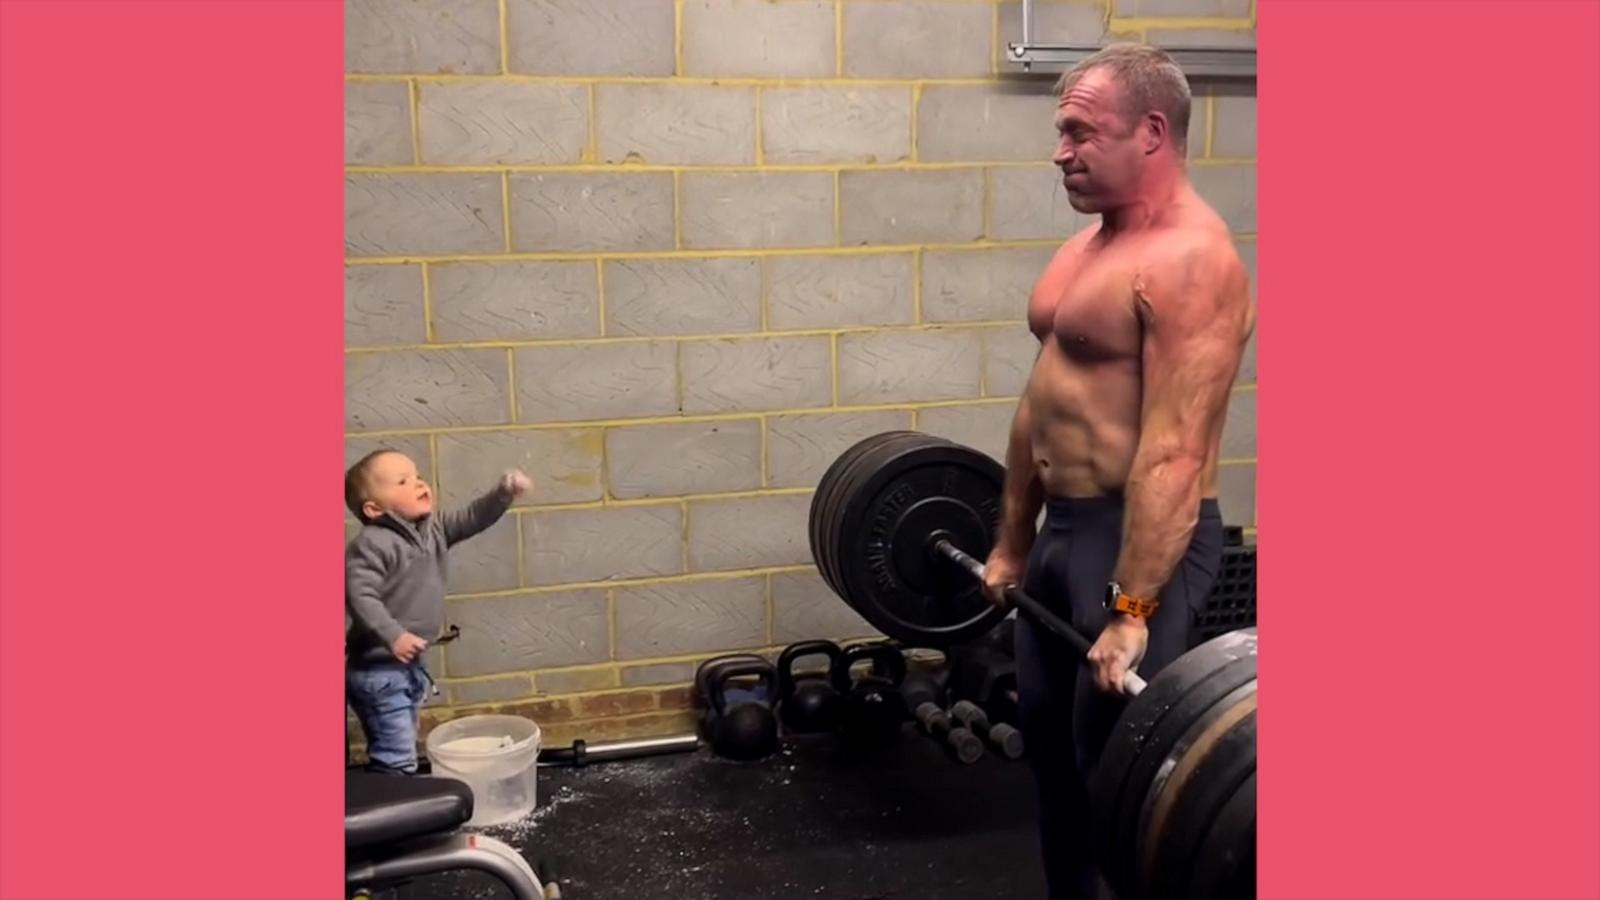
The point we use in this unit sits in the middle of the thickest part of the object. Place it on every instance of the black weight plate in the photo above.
(838, 484)
(1152, 722)
(819, 522)
(1178, 765)
(1224, 867)
(864, 458)
(904, 494)
(1195, 805)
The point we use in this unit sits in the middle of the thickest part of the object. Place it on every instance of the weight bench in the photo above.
(397, 828)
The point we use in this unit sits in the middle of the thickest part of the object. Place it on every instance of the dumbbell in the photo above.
(1004, 738)
(922, 702)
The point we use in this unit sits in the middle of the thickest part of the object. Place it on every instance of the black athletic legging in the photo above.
(1064, 717)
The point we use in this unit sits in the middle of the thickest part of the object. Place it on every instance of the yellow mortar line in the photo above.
(505, 207)
(838, 210)
(988, 201)
(427, 302)
(1237, 462)
(522, 568)
(433, 458)
(764, 451)
(1211, 122)
(916, 286)
(677, 210)
(648, 581)
(615, 667)
(511, 370)
(761, 153)
(833, 350)
(683, 535)
(555, 256)
(994, 39)
(1179, 23)
(505, 41)
(596, 424)
(595, 168)
(600, 292)
(1244, 388)
(690, 80)
(611, 624)
(677, 40)
(416, 120)
(769, 610)
(838, 38)
(914, 327)
(766, 291)
(677, 366)
(916, 104)
(591, 149)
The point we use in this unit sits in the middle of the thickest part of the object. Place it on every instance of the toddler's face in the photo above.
(394, 486)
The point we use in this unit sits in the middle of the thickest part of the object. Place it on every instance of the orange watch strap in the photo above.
(1133, 606)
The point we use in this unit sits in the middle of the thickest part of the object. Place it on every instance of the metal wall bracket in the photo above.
(1203, 62)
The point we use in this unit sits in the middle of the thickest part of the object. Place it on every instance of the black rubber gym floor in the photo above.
(815, 820)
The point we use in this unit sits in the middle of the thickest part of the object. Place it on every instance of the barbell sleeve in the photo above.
(1131, 682)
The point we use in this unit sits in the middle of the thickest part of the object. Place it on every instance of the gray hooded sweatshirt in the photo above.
(394, 575)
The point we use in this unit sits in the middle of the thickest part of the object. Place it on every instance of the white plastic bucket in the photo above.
(497, 756)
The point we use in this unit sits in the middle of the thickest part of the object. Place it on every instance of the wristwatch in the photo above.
(1120, 601)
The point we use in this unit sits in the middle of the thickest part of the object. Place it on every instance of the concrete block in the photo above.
(758, 39)
(383, 305)
(800, 447)
(490, 690)
(487, 561)
(908, 366)
(756, 374)
(1233, 132)
(591, 211)
(422, 36)
(1236, 492)
(756, 209)
(676, 124)
(1239, 429)
(749, 532)
(981, 285)
(985, 427)
(821, 291)
(596, 381)
(590, 37)
(658, 673)
(1053, 23)
(564, 546)
(805, 608)
(1008, 357)
(1153, 9)
(393, 389)
(502, 123)
(487, 301)
(529, 631)
(687, 458)
(377, 124)
(701, 616)
(916, 39)
(575, 681)
(824, 124)
(564, 464)
(1029, 203)
(397, 215)
(959, 123)
(658, 297)
(910, 207)
(1231, 191)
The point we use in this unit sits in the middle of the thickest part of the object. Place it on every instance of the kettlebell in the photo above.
(739, 722)
(871, 709)
(808, 704)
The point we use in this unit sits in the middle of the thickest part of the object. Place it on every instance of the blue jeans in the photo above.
(388, 701)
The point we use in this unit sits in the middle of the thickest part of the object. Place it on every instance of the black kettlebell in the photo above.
(739, 722)
(808, 704)
(871, 709)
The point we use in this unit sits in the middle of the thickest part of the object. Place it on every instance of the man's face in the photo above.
(1099, 152)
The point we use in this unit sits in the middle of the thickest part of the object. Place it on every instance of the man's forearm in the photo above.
(1163, 503)
(1023, 494)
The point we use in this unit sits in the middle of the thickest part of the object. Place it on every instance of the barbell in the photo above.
(897, 527)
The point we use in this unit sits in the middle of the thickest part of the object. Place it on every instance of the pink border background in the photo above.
(170, 372)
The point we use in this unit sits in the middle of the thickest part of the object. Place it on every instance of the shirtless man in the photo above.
(1142, 322)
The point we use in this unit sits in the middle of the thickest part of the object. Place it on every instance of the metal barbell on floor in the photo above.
(898, 526)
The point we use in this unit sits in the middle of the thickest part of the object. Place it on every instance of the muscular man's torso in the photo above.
(1085, 392)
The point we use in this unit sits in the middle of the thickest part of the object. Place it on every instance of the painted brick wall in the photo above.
(673, 256)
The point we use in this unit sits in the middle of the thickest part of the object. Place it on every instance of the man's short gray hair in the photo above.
(1149, 80)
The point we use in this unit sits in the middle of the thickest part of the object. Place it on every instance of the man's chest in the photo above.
(1086, 304)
